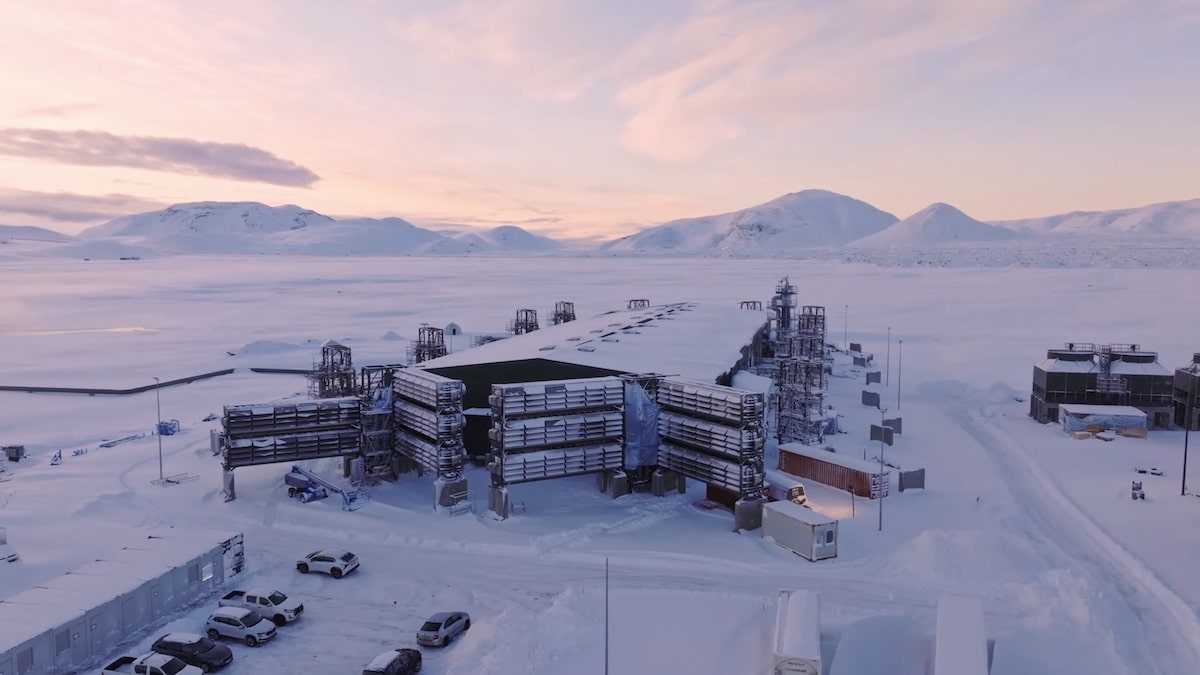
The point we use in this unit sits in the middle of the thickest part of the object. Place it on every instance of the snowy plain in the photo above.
(1075, 576)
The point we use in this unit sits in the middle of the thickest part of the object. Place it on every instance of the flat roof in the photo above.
(1128, 368)
(1062, 366)
(798, 624)
(1119, 410)
(58, 601)
(797, 512)
(685, 339)
(833, 458)
(960, 645)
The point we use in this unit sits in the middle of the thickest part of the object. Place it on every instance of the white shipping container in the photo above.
(811, 535)
(797, 634)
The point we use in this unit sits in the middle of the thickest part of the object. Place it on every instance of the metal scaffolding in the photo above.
(638, 303)
(564, 312)
(783, 306)
(430, 344)
(800, 382)
(750, 304)
(333, 375)
(526, 322)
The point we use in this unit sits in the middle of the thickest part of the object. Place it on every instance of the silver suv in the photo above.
(239, 623)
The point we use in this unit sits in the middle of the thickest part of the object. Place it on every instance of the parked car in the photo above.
(194, 650)
(443, 627)
(269, 603)
(150, 664)
(395, 662)
(337, 563)
(239, 623)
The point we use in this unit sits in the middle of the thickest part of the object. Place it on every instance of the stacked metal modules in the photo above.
(378, 430)
(554, 429)
(713, 434)
(289, 432)
(428, 417)
(800, 382)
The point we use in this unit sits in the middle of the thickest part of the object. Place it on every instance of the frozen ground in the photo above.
(1076, 577)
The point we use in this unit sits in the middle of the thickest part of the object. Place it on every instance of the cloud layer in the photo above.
(70, 207)
(175, 155)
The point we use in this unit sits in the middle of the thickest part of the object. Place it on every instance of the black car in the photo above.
(195, 650)
(403, 661)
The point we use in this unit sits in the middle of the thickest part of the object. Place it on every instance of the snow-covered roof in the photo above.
(231, 612)
(685, 339)
(1128, 368)
(961, 643)
(798, 625)
(1108, 410)
(56, 602)
(832, 457)
(1061, 366)
(797, 512)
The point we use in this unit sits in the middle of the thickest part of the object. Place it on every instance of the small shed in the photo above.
(811, 535)
(1076, 417)
(68, 623)
(863, 478)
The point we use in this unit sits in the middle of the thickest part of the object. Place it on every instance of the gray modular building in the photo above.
(1187, 394)
(708, 343)
(72, 622)
(1089, 374)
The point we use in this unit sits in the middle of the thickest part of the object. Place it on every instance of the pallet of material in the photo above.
(1082, 435)
(1133, 433)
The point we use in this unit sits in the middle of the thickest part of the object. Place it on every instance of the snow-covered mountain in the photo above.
(508, 237)
(937, 224)
(1167, 218)
(796, 220)
(254, 228)
(26, 232)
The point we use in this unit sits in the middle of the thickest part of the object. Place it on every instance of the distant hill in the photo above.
(1168, 218)
(251, 227)
(937, 224)
(797, 220)
(25, 232)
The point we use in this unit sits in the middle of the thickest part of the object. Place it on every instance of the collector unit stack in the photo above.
(543, 430)
(800, 382)
(428, 419)
(267, 433)
(715, 435)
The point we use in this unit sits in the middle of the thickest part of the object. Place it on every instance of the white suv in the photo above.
(239, 623)
(334, 562)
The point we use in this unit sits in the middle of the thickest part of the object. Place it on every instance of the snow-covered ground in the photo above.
(1075, 576)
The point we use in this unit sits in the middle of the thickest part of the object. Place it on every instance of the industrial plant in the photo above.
(1087, 374)
(641, 397)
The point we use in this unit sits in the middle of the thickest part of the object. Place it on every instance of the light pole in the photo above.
(887, 382)
(158, 426)
(1193, 374)
(846, 327)
(606, 616)
(899, 372)
(882, 412)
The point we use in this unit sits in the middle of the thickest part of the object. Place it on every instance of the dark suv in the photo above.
(395, 662)
(195, 650)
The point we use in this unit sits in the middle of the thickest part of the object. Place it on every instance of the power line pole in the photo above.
(899, 372)
(846, 327)
(158, 426)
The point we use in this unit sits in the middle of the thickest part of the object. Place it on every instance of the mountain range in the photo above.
(809, 219)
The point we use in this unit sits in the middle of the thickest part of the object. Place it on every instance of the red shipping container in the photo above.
(837, 471)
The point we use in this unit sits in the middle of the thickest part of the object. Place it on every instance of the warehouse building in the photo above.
(707, 343)
(1187, 394)
(72, 622)
(1084, 373)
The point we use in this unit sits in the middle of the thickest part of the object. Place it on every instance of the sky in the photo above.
(594, 118)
